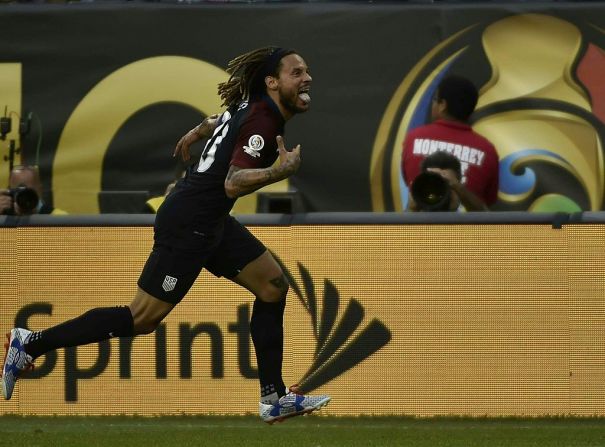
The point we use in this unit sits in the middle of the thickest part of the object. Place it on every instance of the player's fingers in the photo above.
(178, 147)
(185, 152)
(280, 143)
(183, 148)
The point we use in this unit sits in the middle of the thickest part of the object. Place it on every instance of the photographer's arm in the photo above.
(6, 202)
(412, 206)
(468, 199)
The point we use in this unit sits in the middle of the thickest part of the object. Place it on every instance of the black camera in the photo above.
(26, 198)
(431, 192)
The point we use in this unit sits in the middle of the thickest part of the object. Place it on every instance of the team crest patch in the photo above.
(255, 144)
(169, 283)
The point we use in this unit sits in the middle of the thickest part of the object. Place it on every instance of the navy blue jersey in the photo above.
(245, 137)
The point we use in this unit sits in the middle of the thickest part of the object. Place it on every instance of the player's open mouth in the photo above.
(304, 96)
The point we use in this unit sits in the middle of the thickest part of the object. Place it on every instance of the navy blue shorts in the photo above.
(171, 269)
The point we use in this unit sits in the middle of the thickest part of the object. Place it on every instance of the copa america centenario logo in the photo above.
(541, 103)
(255, 144)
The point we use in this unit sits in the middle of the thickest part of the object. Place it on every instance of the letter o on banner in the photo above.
(77, 168)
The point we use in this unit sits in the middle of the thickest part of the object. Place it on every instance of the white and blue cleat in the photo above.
(290, 405)
(16, 360)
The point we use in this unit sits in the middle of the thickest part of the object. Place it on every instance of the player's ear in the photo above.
(271, 82)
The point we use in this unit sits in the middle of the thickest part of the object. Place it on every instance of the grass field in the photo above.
(308, 431)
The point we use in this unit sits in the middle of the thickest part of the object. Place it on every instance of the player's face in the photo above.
(294, 84)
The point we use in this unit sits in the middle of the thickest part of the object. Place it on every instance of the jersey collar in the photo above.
(454, 124)
(273, 106)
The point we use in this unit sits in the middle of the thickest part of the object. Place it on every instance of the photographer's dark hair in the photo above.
(442, 160)
(461, 96)
(248, 73)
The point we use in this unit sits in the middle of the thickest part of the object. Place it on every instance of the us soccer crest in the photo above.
(169, 283)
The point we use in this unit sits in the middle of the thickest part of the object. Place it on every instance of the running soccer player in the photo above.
(194, 230)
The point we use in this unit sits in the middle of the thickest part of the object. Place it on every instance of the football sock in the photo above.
(267, 331)
(93, 326)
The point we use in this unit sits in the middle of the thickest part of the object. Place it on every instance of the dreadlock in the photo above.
(248, 72)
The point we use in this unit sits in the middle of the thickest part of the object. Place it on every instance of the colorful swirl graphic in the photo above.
(542, 104)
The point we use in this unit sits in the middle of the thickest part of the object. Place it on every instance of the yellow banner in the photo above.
(416, 320)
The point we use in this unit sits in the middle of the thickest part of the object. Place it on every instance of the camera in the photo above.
(26, 198)
(431, 192)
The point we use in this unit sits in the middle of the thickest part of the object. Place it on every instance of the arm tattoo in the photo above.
(245, 181)
(232, 170)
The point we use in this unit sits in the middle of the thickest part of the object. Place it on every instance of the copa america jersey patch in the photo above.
(169, 283)
(255, 144)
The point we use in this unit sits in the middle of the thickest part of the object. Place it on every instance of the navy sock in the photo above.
(267, 331)
(94, 326)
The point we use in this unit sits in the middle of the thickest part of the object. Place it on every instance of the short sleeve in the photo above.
(256, 145)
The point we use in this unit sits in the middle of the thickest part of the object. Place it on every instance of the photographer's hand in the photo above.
(6, 201)
(447, 174)
(469, 200)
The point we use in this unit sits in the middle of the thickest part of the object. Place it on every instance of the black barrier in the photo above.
(388, 218)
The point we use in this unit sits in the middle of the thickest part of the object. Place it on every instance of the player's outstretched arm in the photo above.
(240, 182)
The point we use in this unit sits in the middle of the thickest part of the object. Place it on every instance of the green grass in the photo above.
(309, 431)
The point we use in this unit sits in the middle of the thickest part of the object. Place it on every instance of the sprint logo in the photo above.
(336, 350)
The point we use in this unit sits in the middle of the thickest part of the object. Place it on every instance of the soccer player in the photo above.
(194, 230)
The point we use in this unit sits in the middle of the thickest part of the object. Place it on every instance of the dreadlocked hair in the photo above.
(245, 71)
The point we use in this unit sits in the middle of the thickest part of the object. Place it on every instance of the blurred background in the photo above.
(96, 94)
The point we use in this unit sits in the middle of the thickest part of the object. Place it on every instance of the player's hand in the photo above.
(289, 161)
(203, 130)
(6, 201)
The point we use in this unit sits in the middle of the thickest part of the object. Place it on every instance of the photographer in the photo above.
(24, 196)
(438, 187)
(453, 103)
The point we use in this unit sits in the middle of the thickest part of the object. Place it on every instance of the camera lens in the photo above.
(431, 192)
(27, 199)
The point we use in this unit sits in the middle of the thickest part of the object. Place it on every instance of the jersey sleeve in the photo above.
(256, 146)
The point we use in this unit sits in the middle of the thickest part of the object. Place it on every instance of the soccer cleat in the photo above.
(16, 360)
(292, 404)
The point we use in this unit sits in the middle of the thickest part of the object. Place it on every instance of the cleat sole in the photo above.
(299, 413)
(6, 345)
(8, 340)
